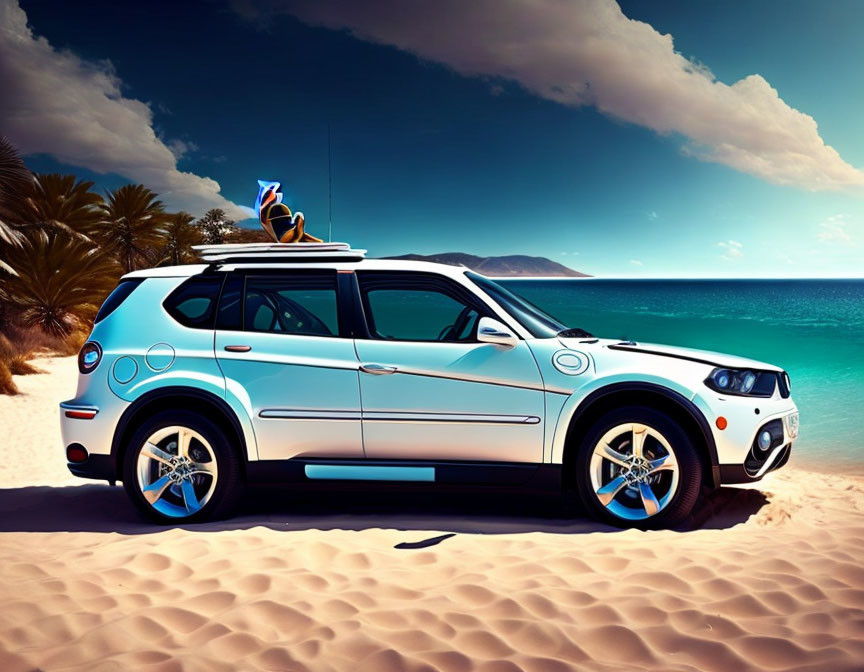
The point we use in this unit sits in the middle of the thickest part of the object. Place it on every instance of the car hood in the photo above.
(688, 354)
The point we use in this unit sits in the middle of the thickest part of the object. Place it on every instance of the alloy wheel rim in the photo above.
(634, 471)
(177, 471)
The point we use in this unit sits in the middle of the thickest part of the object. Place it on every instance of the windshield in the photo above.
(540, 324)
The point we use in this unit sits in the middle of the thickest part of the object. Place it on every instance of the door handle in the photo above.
(377, 369)
(238, 348)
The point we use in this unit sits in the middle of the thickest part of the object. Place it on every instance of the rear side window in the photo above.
(193, 304)
(119, 295)
(303, 304)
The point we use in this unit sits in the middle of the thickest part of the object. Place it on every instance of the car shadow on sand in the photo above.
(102, 508)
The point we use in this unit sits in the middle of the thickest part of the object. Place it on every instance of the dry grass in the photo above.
(31, 341)
(18, 347)
(19, 364)
(72, 344)
(7, 384)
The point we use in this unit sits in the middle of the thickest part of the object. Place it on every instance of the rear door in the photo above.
(282, 346)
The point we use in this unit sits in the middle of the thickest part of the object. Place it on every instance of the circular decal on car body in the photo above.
(159, 357)
(125, 369)
(570, 362)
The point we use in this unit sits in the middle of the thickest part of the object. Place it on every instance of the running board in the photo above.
(354, 472)
(405, 471)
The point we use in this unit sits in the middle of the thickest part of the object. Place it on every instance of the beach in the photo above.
(767, 576)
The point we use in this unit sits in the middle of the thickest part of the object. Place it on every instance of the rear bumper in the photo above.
(91, 424)
(95, 466)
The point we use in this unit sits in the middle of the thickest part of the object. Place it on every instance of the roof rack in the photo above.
(272, 252)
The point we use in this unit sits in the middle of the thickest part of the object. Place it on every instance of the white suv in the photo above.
(307, 361)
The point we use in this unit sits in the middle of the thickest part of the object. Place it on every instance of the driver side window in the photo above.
(418, 307)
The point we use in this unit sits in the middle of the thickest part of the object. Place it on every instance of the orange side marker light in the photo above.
(721, 423)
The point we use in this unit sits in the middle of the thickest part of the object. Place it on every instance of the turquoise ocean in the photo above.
(812, 328)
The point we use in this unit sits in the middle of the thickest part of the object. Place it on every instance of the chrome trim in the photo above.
(395, 416)
(479, 418)
(292, 414)
(480, 379)
(356, 366)
(66, 406)
(377, 369)
(772, 458)
(315, 362)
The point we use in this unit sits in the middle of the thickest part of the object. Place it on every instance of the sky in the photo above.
(644, 138)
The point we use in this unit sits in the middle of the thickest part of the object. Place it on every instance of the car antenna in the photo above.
(329, 189)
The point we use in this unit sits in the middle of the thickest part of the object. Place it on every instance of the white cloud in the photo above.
(732, 250)
(55, 102)
(587, 52)
(833, 230)
(636, 262)
(180, 148)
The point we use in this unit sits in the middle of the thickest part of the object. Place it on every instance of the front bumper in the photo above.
(731, 474)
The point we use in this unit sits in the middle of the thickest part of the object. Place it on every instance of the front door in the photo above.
(430, 390)
(279, 346)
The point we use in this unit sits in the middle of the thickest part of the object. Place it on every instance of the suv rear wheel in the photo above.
(179, 467)
(636, 467)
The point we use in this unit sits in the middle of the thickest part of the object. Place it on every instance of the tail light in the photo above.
(76, 453)
(89, 357)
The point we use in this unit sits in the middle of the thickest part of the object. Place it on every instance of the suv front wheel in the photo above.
(179, 468)
(636, 467)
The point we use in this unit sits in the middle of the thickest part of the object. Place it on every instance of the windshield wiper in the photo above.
(574, 332)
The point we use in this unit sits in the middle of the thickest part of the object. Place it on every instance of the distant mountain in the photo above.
(511, 265)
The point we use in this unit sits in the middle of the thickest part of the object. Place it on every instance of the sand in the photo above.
(769, 578)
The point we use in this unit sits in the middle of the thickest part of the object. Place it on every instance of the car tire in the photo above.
(613, 490)
(207, 485)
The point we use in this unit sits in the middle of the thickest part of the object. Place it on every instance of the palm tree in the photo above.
(243, 235)
(15, 178)
(133, 225)
(60, 280)
(180, 236)
(215, 227)
(61, 202)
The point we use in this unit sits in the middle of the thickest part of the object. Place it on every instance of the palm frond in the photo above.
(132, 225)
(15, 178)
(59, 279)
(55, 201)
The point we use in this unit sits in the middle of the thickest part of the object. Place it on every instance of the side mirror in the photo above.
(493, 331)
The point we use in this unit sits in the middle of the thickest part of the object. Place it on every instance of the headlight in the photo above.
(89, 357)
(791, 422)
(742, 382)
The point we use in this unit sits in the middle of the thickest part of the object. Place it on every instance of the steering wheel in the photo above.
(456, 328)
(445, 332)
